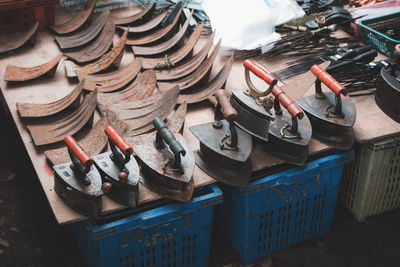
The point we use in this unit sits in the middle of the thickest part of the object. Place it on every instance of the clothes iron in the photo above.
(290, 132)
(252, 105)
(120, 169)
(224, 148)
(167, 164)
(332, 118)
(79, 184)
(387, 95)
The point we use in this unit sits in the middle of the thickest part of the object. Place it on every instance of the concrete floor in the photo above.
(30, 236)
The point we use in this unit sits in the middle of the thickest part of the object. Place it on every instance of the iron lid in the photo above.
(211, 138)
(247, 102)
(316, 108)
(156, 159)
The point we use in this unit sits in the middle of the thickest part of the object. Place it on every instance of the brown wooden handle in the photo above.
(328, 80)
(78, 151)
(118, 140)
(287, 102)
(227, 110)
(260, 71)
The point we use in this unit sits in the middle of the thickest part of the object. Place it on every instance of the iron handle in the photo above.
(118, 140)
(328, 80)
(260, 71)
(78, 151)
(354, 52)
(168, 137)
(287, 102)
(227, 110)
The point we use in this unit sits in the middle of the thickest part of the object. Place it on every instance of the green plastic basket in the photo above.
(370, 34)
(371, 183)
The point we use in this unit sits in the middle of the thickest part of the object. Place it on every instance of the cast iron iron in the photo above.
(387, 95)
(167, 164)
(120, 169)
(331, 117)
(77, 183)
(290, 132)
(252, 105)
(224, 148)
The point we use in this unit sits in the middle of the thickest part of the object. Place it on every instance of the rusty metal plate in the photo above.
(9, 43)
(157, 35)
(76, 22)
(201, 72)
(135, 117)
(171, 183)
(150, 25)
(169, 60)
(144, 14)
(105, 61)
(93, 143)
(164, 46)
(111, 81)
(41, 110)
(142, 87)
(85, 36)
(97, 48)
(19, 74)
(202, 92)
(174, 121)
(185, 68)
(60, 126)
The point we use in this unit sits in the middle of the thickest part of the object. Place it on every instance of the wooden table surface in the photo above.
(371, 122)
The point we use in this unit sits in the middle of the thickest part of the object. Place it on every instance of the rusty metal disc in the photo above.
(157, 35)
(164, 46)
(60, 125)
(201, 72)
(144, 14)
(105, 61)
(41, 110)
(202, 92)
(85, 36)
(150, 25)
(111, 81)
(135, 117)
(185, 68)
(19, 74)
(142, 87)
(93, 143)
(169, 60)
(76, 22)
(96, 49)
(10, 43)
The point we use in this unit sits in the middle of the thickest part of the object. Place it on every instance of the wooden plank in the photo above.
(50, 89)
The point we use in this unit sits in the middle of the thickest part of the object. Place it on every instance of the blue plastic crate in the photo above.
(178, 234)
(282, 209)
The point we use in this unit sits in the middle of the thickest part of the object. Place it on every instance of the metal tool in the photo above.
(120, 169)
(331, 117)
(252, 105)
(224, 148)
(388, 87)
(167, 164)
(77, 183)
(290, 132)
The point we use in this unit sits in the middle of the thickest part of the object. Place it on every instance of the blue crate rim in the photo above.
(327, 162)
(376, 32)
(215, 195)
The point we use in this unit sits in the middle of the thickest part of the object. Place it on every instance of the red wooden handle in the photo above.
(328, 80)
(118, 140)
(78, 151)
(287, 102)
(260, 71)
(397, 47)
